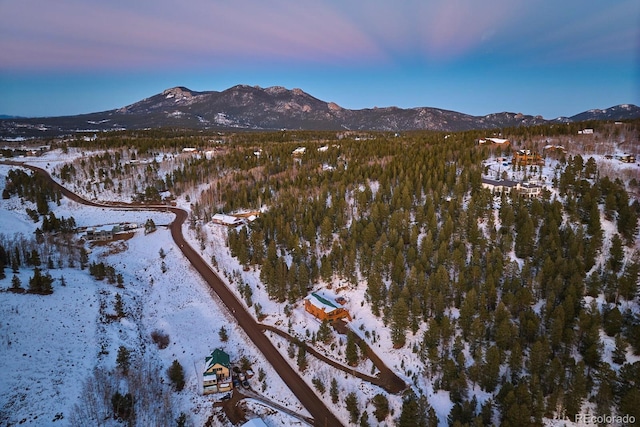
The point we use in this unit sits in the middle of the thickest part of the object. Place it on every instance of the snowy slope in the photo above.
(50, 344)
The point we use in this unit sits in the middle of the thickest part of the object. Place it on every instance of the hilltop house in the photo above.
(217, 373)
(324, 308)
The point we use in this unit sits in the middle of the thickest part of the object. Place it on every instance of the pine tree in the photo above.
(607, 379)
(39, 283)
(612, 321)
(381, 405)
(34, 258)
(619, 355)
(176, 375)
(375, 291)
(333, 391)
(491, 370)
(302, 358)
(324, 332)
(364, 420)
(629, 390)
(616, 253)
(351, 404)
(399, 323)
(524, 241)
(84, 258)
(412, 415)
(16, 284)
(318, 384)
(223, 334)
(123, 359)
(351, 352)
(628, 282)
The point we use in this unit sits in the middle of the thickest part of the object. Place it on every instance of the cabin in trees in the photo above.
(506, 186)
(229, 220)
(324, 308)
(526, 157)
(217, 373)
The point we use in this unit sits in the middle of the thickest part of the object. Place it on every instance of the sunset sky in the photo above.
(478, 57)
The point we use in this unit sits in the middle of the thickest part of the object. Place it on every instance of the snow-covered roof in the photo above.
(226, 219)
(323, 303)
(102, 228)
(498, 140)
(501, 183)
(254, 422)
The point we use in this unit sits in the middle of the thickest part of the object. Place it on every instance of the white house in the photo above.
(527, 189)
(299, 151)
(229, 220)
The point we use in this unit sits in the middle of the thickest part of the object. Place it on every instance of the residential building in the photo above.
(527, 189)
(626, 158)
(217, 373)
(227, 220)
(102, 233)
(527, 157)
(324, 308)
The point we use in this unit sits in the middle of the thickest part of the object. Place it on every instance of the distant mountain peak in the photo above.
(276, 107)
(177, 92)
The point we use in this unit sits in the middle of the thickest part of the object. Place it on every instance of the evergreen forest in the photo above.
(520, 308)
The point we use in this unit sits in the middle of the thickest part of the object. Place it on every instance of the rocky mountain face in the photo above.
(256, 108)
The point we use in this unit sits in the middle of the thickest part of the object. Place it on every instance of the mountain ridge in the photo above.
(244, 107)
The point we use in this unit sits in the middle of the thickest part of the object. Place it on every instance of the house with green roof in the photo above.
(217, 372)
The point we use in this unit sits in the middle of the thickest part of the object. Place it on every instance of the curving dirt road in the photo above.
(386, 379)
(315, 406)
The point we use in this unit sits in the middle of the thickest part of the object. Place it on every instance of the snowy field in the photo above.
(51, 344)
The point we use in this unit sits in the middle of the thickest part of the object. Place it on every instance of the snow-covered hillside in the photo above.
(162, 293)
(51, 344)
